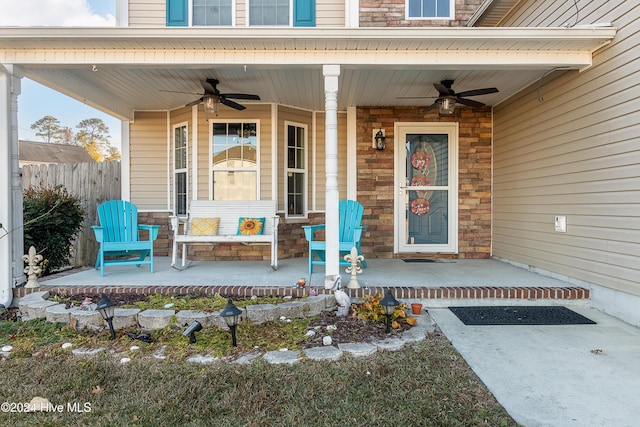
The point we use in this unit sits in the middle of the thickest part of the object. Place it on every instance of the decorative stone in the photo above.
(358, 349)
(37, 309)
(310, 333)
(134, 348)
(155, 319)
(125, 360)
(261, 313)
(86, 319)
(66, 345)
(292, 309)
(87, 351)
(59, 313)
(247, 358)
(124, 317)
(391, 344)
(280, 357)
(202, 359)
(327, 340)
(323, 353)
(206, 319)
(7, 348)
(168, 306)
(40, 404)
(315, 304)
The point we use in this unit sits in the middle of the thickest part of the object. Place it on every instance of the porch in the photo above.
(438, 281)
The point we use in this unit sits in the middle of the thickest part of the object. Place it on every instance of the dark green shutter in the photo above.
(177, 14)
(304, 13)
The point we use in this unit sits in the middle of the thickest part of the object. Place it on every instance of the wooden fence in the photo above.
(92, 183)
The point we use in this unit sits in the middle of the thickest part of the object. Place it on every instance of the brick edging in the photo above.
(400, 292)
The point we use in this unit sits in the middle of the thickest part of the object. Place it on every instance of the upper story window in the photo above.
(269, 12)
(212, 12)
(430, 9)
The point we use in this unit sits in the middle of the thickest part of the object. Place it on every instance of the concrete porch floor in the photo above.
(380, 273)
(439, 282)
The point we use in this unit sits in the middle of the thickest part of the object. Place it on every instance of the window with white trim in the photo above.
(212, 12)
(430, 9)
(296, 169)
(269, 12)
(180, 169)
(234, 160)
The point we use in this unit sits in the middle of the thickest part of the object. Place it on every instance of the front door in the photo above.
(426, 196)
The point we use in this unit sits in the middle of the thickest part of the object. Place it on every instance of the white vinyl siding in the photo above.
(575, 153)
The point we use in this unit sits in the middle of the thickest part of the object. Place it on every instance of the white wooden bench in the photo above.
(229, 212)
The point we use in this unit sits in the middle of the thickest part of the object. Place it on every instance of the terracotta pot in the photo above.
(416, 308)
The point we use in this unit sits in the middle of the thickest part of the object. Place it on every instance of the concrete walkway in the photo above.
(572, 375)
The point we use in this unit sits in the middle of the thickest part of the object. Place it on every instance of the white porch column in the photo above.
(331, 73)
(11, 246)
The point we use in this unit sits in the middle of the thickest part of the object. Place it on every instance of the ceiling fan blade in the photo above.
(442, 89)
(178, 91)
(241, 96)
(415, 97)
(231, 104)
(430, 107)
(470, 102)
(197, 101)
(476, 92)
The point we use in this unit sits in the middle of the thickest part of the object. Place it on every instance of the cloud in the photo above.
(56, 13)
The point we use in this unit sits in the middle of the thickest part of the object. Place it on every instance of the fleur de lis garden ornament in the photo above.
(354, 268)
(32, 270)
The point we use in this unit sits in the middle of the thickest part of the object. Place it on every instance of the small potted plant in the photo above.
(416, 307)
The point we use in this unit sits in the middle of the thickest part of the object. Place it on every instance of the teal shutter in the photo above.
(177, 15)
(304, 13)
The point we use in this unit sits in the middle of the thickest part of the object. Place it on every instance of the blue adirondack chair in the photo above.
(118, 235)
(350, 233)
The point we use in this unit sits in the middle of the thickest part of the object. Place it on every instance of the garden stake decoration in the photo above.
(32, 270)
(106, 307)
(231, 315)
(389, 303)
(354, 268)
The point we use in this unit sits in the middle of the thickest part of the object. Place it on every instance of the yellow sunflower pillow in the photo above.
(250, 226)
(205, 226)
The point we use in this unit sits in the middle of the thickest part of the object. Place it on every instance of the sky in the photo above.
(37, 101)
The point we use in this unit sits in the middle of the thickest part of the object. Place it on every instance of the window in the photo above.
(212, 12)
(234, 161)
(430, 9)
(296, 169)
(180, 169)
(269, 12)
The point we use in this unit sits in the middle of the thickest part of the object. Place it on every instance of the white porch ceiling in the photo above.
(378, 66)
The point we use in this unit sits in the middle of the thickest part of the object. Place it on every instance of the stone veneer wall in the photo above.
(376, 178)
(391, 13)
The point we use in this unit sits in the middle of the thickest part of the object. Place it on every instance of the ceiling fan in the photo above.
(212, 97)
(448, 98)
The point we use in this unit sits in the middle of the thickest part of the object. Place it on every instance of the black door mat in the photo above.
(419, 260)
(520, 315)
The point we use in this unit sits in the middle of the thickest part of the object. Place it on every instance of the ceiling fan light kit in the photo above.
(211, 104)
(447, 105)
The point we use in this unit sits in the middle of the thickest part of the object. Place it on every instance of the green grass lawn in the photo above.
(427, 384)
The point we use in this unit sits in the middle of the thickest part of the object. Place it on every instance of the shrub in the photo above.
(52, 217)
(371, 310)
